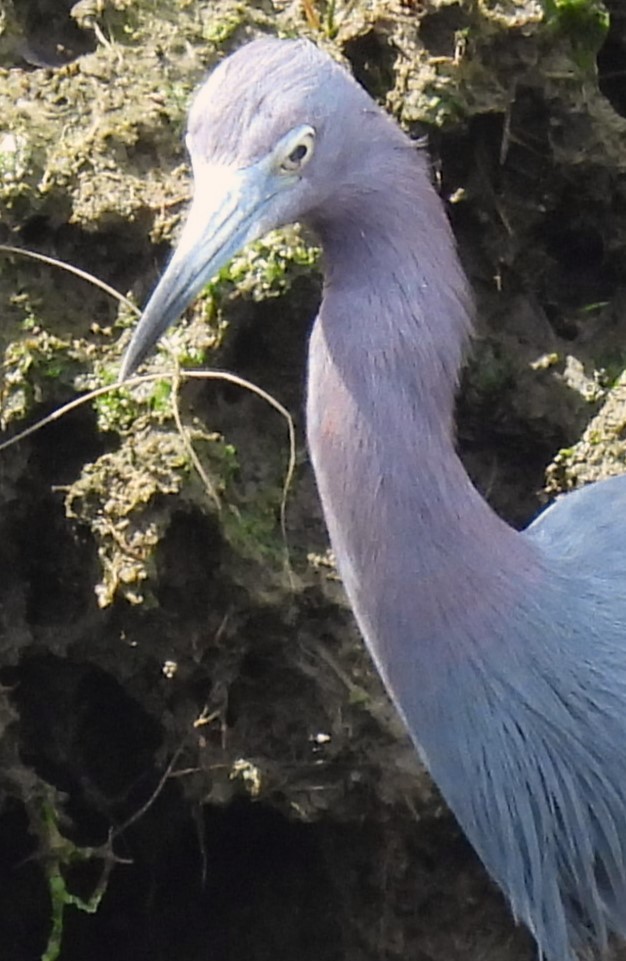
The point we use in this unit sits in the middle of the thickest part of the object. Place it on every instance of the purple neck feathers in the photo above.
(384, 360)
(395, 296)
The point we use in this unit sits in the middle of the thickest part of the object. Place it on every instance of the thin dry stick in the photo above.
(184, 436)
(276, 404)
(139, 813)
(311, 14)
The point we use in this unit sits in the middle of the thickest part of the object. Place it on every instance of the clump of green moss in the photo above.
(585, 23)
(59, 854)
(37, 367)
(251, 526)
(265, 269)
(123, 497)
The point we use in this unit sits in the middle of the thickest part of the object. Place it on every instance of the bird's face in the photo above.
(262, 157)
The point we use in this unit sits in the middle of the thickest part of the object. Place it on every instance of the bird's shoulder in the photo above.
(586, 523)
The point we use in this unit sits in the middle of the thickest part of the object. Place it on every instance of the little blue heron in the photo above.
(504, 652)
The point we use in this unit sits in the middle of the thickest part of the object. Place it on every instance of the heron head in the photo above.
(274, 136)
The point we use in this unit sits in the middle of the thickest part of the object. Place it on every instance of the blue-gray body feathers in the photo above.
(504, 652)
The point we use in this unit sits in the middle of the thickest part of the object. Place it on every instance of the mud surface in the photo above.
(197, 760)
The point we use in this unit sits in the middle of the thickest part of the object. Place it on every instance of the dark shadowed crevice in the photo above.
(267, 343)
(439, 30)
(233, 884)
(578, 249)
(245, 883)
(57, 567)
(117, 254)
(372, 60)
(268, 895)
(611, 58)
(51, 37)
(81, 732)
(55, 563)
(268, 689)
(188, 559)
(23, 890)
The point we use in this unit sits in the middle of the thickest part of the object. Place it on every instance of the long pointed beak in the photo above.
(226, 213)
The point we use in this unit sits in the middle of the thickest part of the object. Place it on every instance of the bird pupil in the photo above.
(298, 153)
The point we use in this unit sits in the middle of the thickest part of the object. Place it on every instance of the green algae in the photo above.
(585, 22)
(58, 855)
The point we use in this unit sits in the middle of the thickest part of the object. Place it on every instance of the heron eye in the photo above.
(299, 153)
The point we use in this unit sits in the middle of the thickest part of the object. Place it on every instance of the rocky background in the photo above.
(197, 761)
